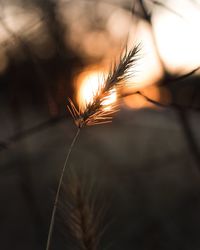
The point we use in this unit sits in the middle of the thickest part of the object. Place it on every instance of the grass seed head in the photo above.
(100, 109)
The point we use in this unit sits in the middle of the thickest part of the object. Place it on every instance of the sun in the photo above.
(89, 83)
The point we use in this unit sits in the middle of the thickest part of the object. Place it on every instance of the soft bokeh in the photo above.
(144, 166)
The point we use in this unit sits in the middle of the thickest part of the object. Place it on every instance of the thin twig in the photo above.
(184, 122)
(171, 79)
(58, 191)
(162, 105)
(158, 3)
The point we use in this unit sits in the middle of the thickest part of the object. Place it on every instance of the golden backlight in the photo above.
(88, 84)
(174, 38)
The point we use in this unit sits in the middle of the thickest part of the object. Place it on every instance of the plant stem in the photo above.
(58, 191)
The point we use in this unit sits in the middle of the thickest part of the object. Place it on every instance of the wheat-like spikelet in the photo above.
(97, 111)
(79, 215)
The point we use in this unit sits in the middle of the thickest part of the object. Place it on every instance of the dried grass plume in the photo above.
(98, 111)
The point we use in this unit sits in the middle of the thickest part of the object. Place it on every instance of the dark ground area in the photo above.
(140, 163)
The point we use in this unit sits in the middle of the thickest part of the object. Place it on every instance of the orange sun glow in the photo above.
(88, 83)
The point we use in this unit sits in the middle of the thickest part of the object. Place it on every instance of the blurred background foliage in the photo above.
(48, 50)
(47, 46)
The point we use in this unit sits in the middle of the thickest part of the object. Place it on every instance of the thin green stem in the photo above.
(51, 226)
